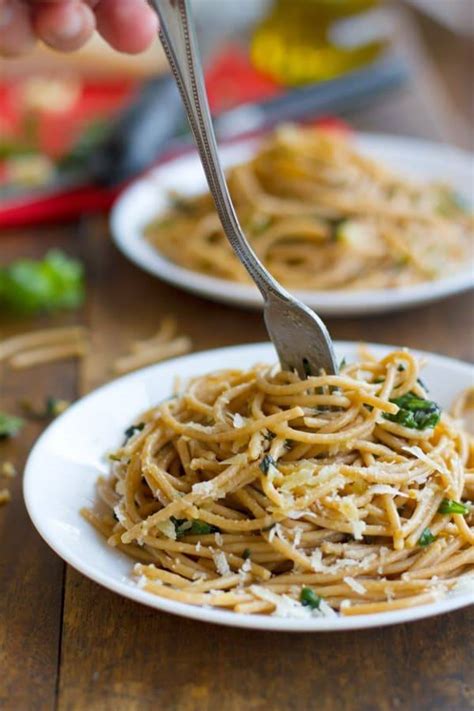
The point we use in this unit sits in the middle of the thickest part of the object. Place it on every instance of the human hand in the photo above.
(127, 25)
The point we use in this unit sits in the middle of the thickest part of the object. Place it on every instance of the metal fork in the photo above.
(300, 337)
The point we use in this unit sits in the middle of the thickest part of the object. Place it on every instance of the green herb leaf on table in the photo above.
(54, 282)
(9, 425)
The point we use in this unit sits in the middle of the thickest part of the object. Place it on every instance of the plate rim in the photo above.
(330, 302)
(130, 590)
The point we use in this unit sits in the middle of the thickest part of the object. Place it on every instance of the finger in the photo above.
(65, 26)
(16, 31)
(128, 25)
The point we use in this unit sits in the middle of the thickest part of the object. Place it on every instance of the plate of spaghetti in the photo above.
(244, 496)
(350, 224)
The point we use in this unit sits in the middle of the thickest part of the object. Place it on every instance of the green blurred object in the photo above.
(89, 140)
(55, 282)
(294, 44)
(9, 425)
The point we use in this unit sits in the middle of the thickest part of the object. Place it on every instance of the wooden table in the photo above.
(67, 643)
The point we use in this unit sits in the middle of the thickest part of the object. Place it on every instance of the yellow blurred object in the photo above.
(295, 44)
(30, 170)
(49, 93)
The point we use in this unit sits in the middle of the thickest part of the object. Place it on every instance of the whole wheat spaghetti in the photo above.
(322, 216)
(260, 492)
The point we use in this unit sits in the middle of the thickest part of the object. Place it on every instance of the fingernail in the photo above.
(6, 13)
(72, 24)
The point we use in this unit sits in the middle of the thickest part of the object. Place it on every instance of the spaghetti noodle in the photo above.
(322, 216)
(263, 493)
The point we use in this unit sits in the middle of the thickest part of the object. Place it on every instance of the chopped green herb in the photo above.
(51, 283)
(426, 538)
(266, 463)
(185, 527)
(448, 506)
(133, 429)
(309, 598)
(9, 425)
(246, 554)
(415, 413)
(343, 363)
(114, 457)
(307, 367)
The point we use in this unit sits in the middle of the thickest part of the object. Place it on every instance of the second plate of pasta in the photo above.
(364, 224)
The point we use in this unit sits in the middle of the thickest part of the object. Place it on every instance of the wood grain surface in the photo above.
(68, 644)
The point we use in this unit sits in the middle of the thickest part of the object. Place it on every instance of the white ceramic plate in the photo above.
(64, 464)
(146, 198)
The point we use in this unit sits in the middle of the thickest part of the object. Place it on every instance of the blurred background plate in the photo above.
(146, 198)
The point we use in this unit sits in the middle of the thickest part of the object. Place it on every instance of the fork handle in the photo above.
(179, 42)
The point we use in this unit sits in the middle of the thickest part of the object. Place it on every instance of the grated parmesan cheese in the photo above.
(120, 487)
(419, 454)
(297, 536)
(220, 561)
(465, 586)
(167, 528)
(319, 566)
(238, 421)
(205, 488)
(286, 606)
(246, 566)
(272, 533)
(358, 527)
(355, 585)
(120, 515)
(218, 539)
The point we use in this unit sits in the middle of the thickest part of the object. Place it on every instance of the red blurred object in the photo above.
(58, 129)
(59, 206)
(230, 81)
